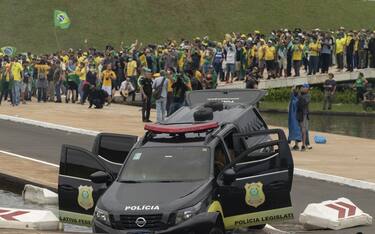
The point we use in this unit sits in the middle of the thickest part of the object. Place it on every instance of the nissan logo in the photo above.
(141, 222)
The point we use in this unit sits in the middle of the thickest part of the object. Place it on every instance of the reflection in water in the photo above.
(358, 126)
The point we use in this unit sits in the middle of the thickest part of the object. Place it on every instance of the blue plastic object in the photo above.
(320, 139)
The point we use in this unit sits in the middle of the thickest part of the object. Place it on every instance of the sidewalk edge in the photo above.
(300, 172)
(361, 184)
(48, 125)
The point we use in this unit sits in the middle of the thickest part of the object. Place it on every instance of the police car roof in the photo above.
(230, 114)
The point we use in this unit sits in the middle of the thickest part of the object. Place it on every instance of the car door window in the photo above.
(228, 139)
(220, 158)
(113, 148)
(80, 164)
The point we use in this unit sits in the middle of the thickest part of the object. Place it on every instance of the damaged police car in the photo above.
(212, 166)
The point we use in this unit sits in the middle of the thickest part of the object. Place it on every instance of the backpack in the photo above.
(158, 90)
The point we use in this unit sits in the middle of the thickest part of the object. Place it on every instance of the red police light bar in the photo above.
(180, 128)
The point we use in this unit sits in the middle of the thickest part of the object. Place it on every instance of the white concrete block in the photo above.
(28, 219)
(39, 195)
(334, 214)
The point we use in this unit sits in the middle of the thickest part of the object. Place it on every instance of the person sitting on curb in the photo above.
(126, 89)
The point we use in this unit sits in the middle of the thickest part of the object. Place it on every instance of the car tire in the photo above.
(215, 106)
(216, 230)
(203, 114)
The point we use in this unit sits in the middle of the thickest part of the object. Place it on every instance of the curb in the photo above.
(335, 179)
(324, 113)
(299, 172)
(48, 125)
(17, 184)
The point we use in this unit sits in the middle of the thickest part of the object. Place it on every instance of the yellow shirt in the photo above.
(198, 75)
(81, 59)
(170, 89)
(108, 76)
(65, 58)
(314, 48)
(340, 43)
(261, 51)
(297, 52)
(143, 60)
(270, 53)
(81, 72)
(16, 71)
(98, 60)
(131, 69)
(42, 68)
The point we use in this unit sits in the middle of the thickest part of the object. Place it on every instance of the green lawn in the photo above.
(28, 24)
(314, 106)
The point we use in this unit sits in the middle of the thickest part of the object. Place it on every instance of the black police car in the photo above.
(212, 166)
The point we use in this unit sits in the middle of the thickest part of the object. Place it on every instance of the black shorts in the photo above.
(72, 85)
(270, 64)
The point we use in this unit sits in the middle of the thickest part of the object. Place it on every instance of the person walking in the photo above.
(160, 90)
(329, 91)
(145, 85)
(294, 130)
(17, 76)
(359, 85)
(108, 77)
(303, 115)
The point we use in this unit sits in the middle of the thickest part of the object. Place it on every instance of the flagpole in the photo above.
(57, 40)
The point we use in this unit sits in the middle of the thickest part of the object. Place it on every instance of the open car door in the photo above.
(243, 96)
(78, 194)
(112, 149)
(254, 189)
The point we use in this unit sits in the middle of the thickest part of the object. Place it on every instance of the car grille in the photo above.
(122, 222)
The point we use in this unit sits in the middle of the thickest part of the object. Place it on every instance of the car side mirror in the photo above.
(229, 175)
(100, 177)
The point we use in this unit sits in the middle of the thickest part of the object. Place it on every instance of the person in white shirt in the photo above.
(230, 60)
(161, 83)
(126, 88)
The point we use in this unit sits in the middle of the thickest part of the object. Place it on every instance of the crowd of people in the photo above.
(165, 72)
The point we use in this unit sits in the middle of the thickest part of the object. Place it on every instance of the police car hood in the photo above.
(151, 197)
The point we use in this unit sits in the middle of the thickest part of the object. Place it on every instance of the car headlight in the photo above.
(187, 213)
(102, 216)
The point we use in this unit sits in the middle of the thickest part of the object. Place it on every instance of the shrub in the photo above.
(317, 95)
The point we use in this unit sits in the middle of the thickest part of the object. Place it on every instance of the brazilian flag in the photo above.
(61, 19)
(9, 50)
